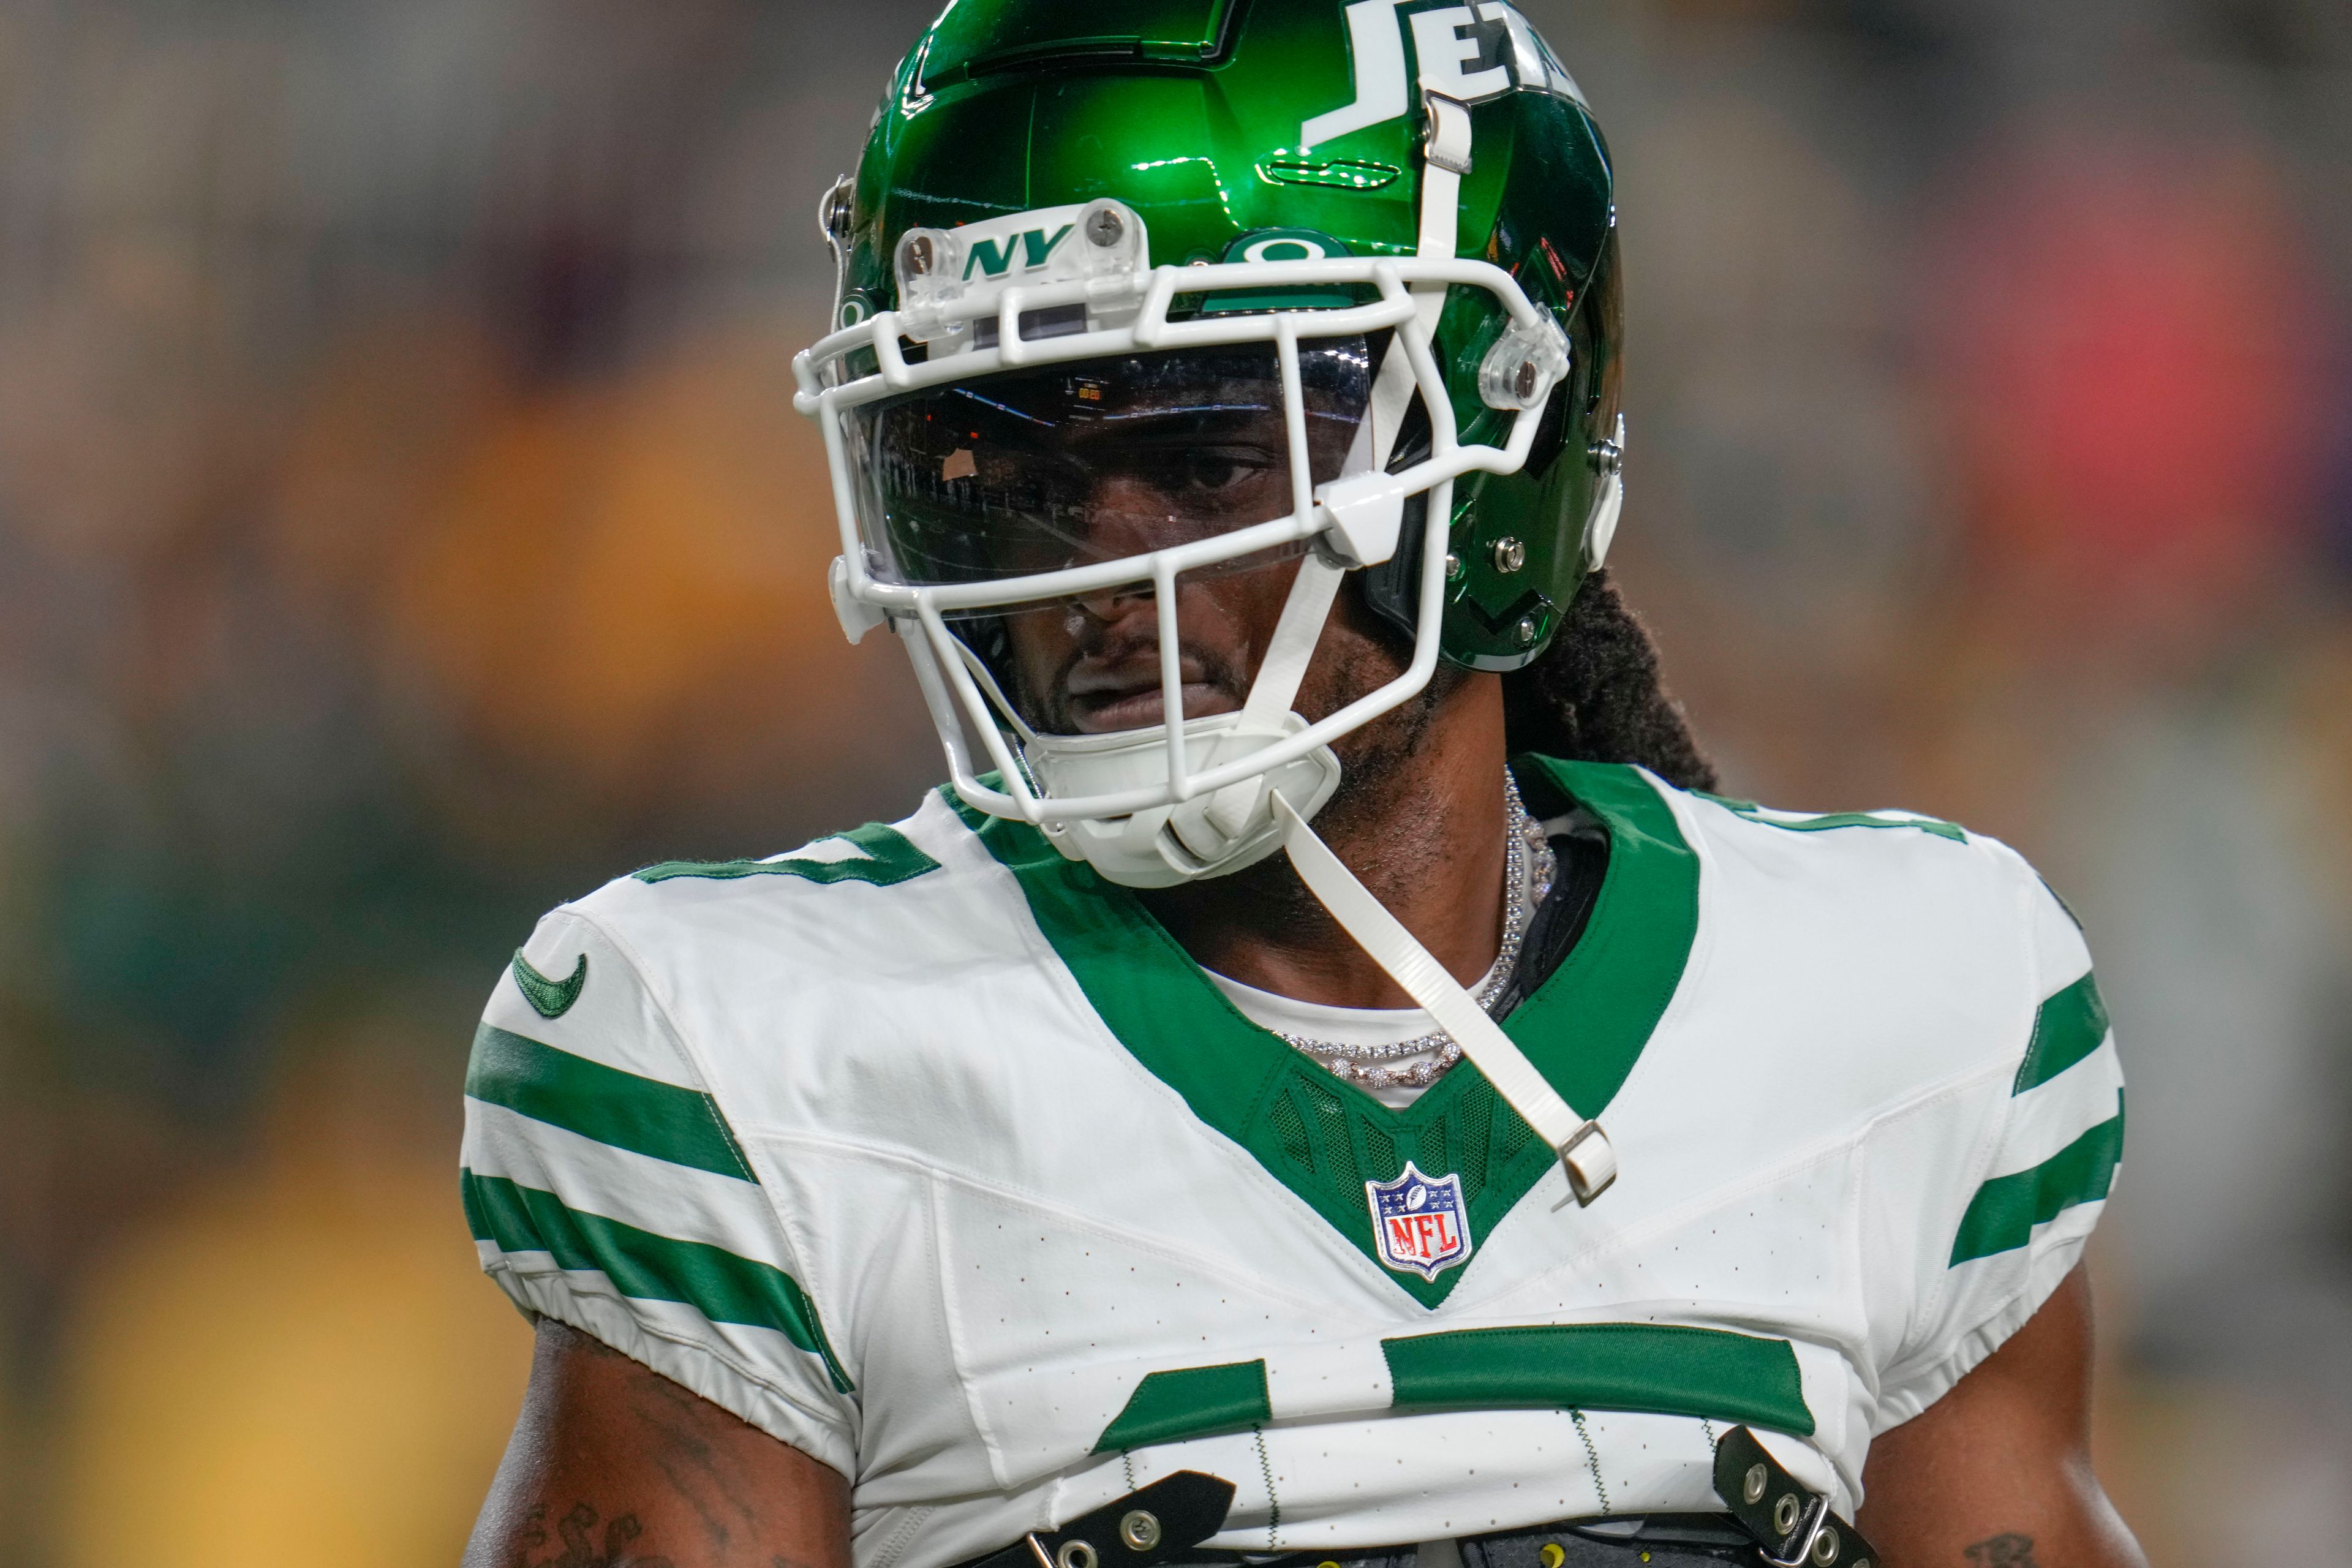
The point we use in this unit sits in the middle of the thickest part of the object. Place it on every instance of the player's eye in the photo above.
(1211, 470)
(1207, 473)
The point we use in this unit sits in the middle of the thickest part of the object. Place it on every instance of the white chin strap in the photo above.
(1244, 823)
(1583, 1148)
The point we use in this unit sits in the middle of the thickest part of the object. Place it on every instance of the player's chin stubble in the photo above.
(1381, 788)
(1382, 793)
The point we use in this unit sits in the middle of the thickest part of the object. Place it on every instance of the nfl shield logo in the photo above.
(1420, 1221)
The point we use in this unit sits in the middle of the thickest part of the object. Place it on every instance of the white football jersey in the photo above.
(931, 1154)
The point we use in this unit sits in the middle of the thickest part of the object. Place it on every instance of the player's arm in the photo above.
(686, 1407)
(613, 1464)
(1997, 1473)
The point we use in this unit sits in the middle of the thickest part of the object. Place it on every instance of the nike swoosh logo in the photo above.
(550, 998)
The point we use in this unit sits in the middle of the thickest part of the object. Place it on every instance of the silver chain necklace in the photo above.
(1528, 868)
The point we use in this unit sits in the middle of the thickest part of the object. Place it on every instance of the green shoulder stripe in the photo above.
(721, 1285)
(643, 1115)
(1663, 1369)
(2068, 1028)
(2002, 1216)
(890, 858)
(1826, 821)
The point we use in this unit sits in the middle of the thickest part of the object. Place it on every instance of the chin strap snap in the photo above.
(1583, 1148)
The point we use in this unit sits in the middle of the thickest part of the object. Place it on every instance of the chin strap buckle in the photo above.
(1591, 1162)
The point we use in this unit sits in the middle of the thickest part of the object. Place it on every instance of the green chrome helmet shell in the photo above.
(1191, 112)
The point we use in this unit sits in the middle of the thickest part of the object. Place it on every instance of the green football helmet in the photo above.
(1090, 245)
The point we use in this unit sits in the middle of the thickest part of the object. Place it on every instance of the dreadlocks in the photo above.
(1596, 696)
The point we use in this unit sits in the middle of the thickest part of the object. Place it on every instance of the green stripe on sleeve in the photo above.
(2068, 1028)
(477, 1218)
(1663, 1369)
(643, 1115)
(1190, 1402)
(722, 1286)
(2002, 1214)
(890, 858)
(1824, 822)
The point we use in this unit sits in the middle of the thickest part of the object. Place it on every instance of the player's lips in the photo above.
(1127, 696)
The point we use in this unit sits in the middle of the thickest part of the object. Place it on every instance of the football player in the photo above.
(1323, 1079)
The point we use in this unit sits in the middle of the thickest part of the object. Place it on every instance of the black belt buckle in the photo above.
(1792, 1524)
(1149, 1526)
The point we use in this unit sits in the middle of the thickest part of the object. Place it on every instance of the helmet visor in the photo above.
(1071, 464)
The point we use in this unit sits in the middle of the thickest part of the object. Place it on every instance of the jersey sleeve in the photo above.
(605, 1188)
(1997, 1246)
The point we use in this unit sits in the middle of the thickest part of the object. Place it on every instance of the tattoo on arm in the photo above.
(2004, 1552)
(574, 1530)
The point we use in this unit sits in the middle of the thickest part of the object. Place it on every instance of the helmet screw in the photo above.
(1452, 568)
(919, 254)
(1607, 458)
(837, 211)
(1510, 555)
(1104, 229)
(1526, 384)
(1525, 631)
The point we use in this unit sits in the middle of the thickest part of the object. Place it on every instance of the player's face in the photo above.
(1165, 470)
(1093, 665)
(1090, 666)
(1106, 460)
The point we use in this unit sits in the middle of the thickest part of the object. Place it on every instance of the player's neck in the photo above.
(1425, 837)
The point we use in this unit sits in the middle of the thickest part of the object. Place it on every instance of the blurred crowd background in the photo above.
(403, 527)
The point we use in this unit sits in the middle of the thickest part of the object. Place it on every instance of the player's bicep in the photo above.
(1997, 1473)
(612, 1462)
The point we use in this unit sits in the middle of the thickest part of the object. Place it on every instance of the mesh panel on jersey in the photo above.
(1290, 1129)
(1326, 1143)
(1341, 1144)
(1516, 1136)
(1335, 1151)
(1434, 1163)
(1474, 1122)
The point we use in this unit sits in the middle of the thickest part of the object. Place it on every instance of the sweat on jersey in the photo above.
(929, 1152)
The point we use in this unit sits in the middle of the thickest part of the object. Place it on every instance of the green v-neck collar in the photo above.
(1322, 1137)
